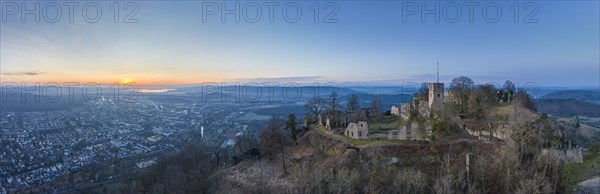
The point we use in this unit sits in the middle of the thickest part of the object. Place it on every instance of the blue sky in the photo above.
(370, 43)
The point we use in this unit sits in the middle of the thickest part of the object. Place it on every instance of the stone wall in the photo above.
(497, 132)
(574, 155)
(397, 134)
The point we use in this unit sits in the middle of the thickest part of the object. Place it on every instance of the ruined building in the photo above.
(358, 130)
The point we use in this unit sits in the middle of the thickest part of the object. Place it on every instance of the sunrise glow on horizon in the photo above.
(172, 45)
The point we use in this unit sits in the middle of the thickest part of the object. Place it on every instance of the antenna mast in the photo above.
(438, 72)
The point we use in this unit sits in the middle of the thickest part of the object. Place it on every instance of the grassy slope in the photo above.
(588, 169)
(359, 142)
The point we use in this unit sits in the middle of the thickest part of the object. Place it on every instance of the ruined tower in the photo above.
(436, 92)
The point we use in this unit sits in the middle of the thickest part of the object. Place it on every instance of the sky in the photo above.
(554, 43)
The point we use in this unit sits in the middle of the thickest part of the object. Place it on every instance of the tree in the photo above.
(460, 89)
(507, 91)
(376, 106)
(353, 104)
(524, 100)
(315, 106)
(307, 120)
(488, 94)
(292, 126)
(333, 102)
(480, 99)
(409, 181)
(275, 140)
(353, 107)
(245, 141)
(423, 92)
(508, 86)
(182, 172)
(239, 143)
(333, 105)
(593, 150)
(439, 127)
(475, 106)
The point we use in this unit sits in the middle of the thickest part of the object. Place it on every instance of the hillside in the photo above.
(568, 108)
(318, 160)
(584, 95)
(588, 96)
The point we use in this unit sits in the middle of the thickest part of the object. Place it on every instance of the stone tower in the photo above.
(436, 92)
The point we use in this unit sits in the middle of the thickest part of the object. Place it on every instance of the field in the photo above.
(581, 119)
(586, 129)
(589, 168)
(503, 109)
(377, 127)
(253, 117)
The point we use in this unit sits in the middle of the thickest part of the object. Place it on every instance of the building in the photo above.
(395, 110)
(436, 92)
(436, 95)
(358, 130)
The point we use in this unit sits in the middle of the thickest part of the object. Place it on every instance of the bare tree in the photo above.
(245, 141)
(345, 181)
(275, 139)
(524, 100)
(376, 106)
(536, 184)
(353, 104)
(333, 106)
(239, 143)
(333, 102)
(315, 106)
(409, 181)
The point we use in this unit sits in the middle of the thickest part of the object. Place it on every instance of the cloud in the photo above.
(21, 73)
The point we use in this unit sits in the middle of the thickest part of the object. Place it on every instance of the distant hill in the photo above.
(251, 89)
(582, 95)
(409, 89)
(567, 103)
(27, 102)
(263, 93)
(387, 99)
(568, 107)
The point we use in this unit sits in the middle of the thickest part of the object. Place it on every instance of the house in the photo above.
(358, 130)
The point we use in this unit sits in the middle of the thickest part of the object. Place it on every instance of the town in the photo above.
(104, 140)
